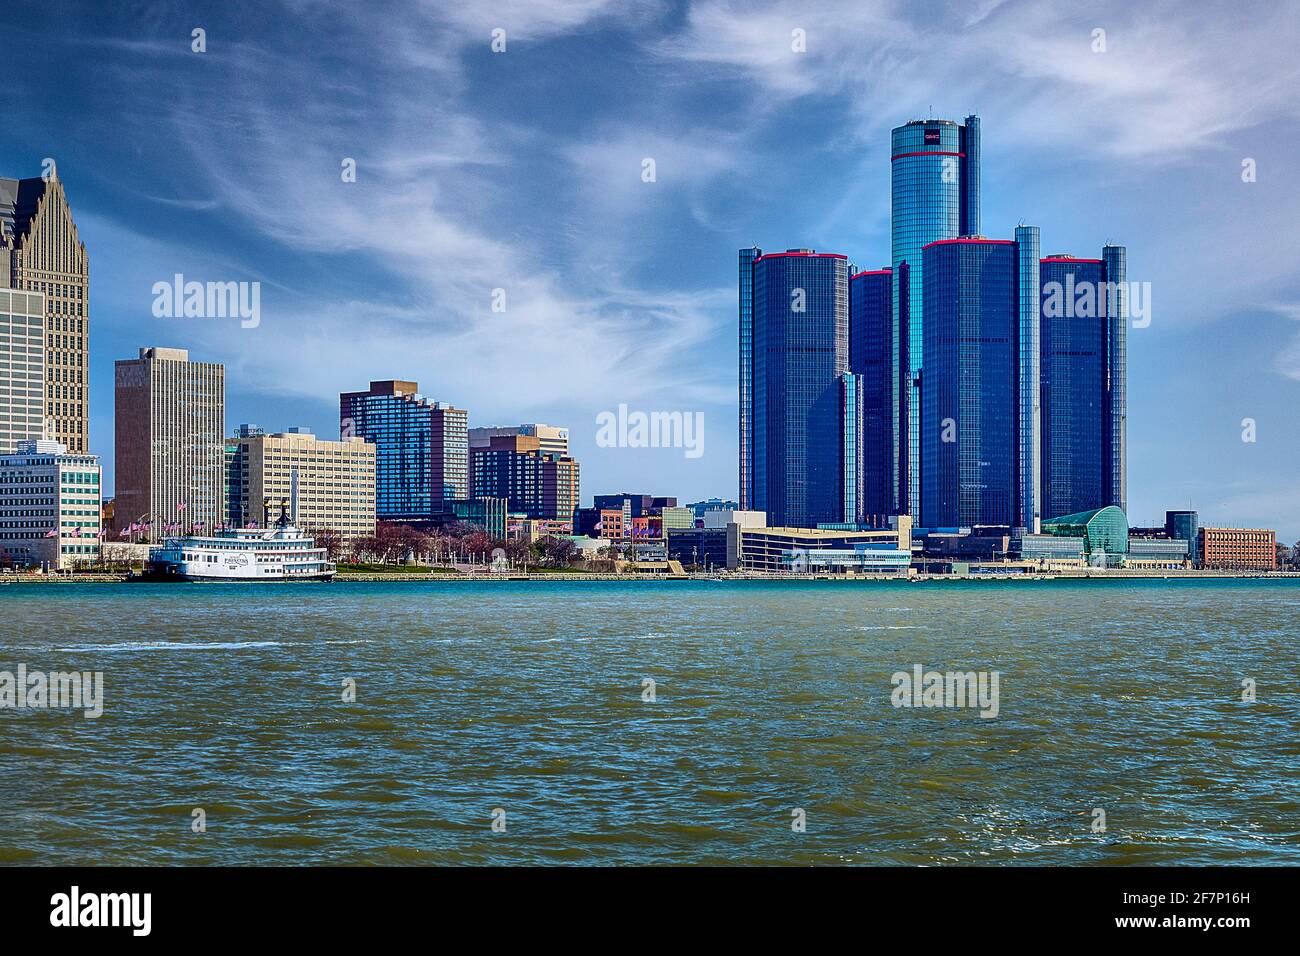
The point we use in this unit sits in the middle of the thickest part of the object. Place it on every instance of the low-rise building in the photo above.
(49, 506)
(806, 550)
(1238, 549)
(1104, 532)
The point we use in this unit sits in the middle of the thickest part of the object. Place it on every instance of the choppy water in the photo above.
(527, 697)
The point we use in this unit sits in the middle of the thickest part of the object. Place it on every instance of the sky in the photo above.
(523, 171)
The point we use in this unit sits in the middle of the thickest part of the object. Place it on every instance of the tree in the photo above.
(556, 552)
(331, 540)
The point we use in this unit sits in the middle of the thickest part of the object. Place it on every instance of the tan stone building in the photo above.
(22, 368)
(168, 446)
(327, 484)
(41, 252)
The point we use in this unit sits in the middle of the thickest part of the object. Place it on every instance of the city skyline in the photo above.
(616, 297)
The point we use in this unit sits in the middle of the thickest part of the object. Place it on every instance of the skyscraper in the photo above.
(40, 252)
(871, 361)
(800, 351)
(22, 368)
(421, 447)
(550, 438)
(537, 483)
(169, 448)
(1082, 385)
(972, 464)
(935, 181)
(747, 257)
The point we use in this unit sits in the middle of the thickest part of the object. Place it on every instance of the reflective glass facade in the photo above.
(1028, 382)
(800, 352)
(851, 456)
(1183, 524)
(1074, 394)
(934, 174)
(1083, 382)
(970, 402)
(1104, 530)
(421, 447)
(1115, 259)
(871, 360)
(747, 257)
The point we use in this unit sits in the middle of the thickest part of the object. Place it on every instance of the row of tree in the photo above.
(394, 543)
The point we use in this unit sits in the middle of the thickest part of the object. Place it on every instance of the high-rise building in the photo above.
(972, 442)
(329, 485)
(22, 368)
(800, 351)
(537, 484)
(41, 252)
(49, 506)
(871, 361)
(746, 377)
(1115, 259)
(169, 448)
(851, 456)
(1083, 382)
(550, 438)
(935, 183)
(421, 447)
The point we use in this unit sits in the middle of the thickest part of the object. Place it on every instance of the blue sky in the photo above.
(521, 170)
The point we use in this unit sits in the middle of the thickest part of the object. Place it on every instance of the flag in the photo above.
(51, 533)
(181, 506)
(124, 532)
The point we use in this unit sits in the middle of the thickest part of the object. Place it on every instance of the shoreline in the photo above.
(460, 578)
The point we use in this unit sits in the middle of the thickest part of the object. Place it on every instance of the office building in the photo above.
(935, 186)
(49, 507)
(1238, 549)
(810, 550)
(536, 484)
(328, 485)
(978, 434)
(871, 360)
(22, 368)
(169, 448)
(421, 447)
(40, 251)
(1183, 524)
(551, 439)
(799, 355)
(1083, 394)
(746, 375)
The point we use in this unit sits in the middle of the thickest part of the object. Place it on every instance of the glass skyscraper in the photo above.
(799, 356)
(1082, 384)
(934, 172)
(747, 257)
(421, 447)
(871, 360)
(971, 406)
